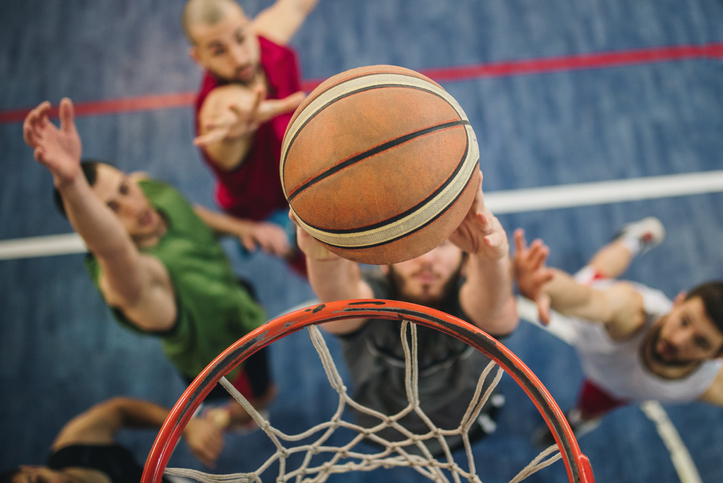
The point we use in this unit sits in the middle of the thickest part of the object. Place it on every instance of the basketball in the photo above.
(379, 164)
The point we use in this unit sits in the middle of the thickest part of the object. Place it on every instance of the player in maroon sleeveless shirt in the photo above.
(249, 92)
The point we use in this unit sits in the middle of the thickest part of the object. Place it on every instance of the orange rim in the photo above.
(576, 463)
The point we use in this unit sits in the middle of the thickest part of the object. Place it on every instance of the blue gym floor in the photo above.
(60, 350)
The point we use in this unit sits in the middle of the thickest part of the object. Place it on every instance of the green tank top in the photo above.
(213, 309)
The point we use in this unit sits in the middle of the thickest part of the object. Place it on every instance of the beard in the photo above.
(435, 301)
(237, 79)
(658, 357)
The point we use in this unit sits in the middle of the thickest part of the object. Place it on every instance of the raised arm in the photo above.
(619, 307)
(280, 21)
(486, 296)
(136, 283)
(333, 278)
(101, 423)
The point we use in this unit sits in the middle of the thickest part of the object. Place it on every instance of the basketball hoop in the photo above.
(577, 465)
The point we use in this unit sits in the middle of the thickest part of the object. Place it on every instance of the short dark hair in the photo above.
(711, 293)
(8, 475)
(90, 170)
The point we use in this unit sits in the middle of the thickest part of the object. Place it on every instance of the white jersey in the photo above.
(618, 367)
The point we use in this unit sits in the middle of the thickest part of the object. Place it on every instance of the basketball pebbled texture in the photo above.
(379, 164)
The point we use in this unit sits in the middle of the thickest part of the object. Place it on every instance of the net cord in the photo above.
(394, 454)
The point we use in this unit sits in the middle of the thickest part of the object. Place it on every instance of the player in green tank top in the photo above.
(213, 310)
(154, 259)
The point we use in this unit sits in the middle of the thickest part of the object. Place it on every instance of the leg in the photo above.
(592, 404)
(613, 259)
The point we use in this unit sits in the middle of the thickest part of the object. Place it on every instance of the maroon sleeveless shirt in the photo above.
(253, 189)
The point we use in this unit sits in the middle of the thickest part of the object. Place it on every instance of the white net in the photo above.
(348, 457)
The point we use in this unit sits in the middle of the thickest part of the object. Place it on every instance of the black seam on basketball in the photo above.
(351, 93)
(386, 242)
(373, 151)
(390, 240)
(449, 179)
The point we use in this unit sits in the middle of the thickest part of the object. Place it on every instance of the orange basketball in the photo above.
(379, 164)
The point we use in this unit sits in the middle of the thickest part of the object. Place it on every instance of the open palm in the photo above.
(56, 148)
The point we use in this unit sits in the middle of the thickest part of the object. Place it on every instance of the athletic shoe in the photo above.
(649, 232)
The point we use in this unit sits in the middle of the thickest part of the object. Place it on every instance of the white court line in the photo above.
(500, 202)
(679, 455)
(584, 194)
(41, 246)
(561, 327)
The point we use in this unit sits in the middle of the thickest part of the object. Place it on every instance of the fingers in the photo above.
(210, 137)
(543, 309)
(248, 242)
(274, 243)
(259, 93)
(273, 107)
(520, 243)
(31, 125)
(271, 238)
(494, 240)
(249, 113)
(537, 254)
(66, 115)
(208, 452)
(205, 440)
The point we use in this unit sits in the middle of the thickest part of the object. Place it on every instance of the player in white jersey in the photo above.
(634, 343)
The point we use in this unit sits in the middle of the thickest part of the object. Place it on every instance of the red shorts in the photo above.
(594, 402)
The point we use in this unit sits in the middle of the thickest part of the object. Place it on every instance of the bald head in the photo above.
(206, 13)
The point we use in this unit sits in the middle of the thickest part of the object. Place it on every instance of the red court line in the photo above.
(112, 106)
(448, 74)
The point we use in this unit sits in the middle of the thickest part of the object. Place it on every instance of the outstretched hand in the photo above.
(531, 273)
(205, 440)
(58, 149)
(271, 238)
(480, 232)
(243, 118)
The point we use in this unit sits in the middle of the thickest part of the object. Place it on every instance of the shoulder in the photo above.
(160, 193)
(139, 176)
(624, 310)
(714, 393)
(274, 50)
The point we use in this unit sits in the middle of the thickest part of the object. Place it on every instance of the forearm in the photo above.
(100, 423)
(229, 153)
(222, 138)
(336, 279)
(220, 223)
(136, 413)
(571, 298)
(96, 224)
(487, 297)
(280, 21)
